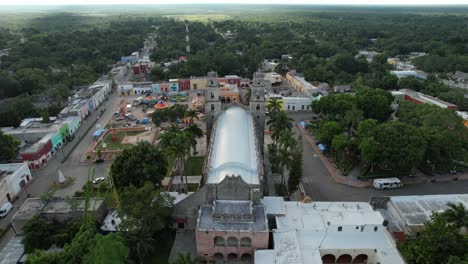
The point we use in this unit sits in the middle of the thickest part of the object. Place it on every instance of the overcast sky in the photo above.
(320, 2)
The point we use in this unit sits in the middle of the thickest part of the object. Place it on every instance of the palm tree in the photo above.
(274, 105)
(141, 241)
(456, 214)
(177, 151)
(285, 161)
(286, 139)
(191, 115)
(278, 123)
(194, 132)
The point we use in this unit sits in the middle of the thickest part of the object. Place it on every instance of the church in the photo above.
(226, 213)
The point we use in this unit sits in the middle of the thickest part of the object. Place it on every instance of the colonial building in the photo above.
(226, 213)
(327, 232)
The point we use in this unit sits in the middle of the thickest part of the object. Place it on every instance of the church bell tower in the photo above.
(213, 104)
(257, 103)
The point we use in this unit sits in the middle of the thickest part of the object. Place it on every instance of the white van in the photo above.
(5, 209)
(387, 183)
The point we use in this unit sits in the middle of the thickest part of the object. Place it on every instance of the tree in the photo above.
(191, 115)
(193, 131)
(436, 243)
(278, 123)
(285, 161)
(286, 140)
(148, 212)
(274, 105)
(141, 163)
(109, 249)
(43, 257)
(185, 258)
(456, 214)
(295, 174)
(8, 147)
(370, 149)
(352, 119)
(401, 146)
(36, 234)
(374, 103)
(327, 131)
(176, 145)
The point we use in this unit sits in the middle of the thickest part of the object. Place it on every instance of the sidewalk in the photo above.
(331, 167)
(439, 178)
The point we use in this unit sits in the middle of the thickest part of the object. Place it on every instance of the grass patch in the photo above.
(117, 145)
(194, 166)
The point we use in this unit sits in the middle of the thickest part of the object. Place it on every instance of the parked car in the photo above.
(98, 180)
(100, 160)
(5, 209)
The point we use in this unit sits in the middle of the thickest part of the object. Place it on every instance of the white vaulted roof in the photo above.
(234, 149)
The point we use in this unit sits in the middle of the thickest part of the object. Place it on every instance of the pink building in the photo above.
(164, 87)
(184, 84)
(233, 79)
(231, 231)
(244, 83)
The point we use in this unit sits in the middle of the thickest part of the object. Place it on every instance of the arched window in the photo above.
(247, 258)
(360, 259)
(218, 257)
(245, 242)
(212, 95)
(232, 242)
(232, 257)
(212, 107)
(258, 107)
(328, 259)
(344, 259)
(219, 241)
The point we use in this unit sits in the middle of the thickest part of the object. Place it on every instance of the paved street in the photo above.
(43, 179)
(320, 186)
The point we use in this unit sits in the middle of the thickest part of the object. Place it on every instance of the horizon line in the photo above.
(239, 4)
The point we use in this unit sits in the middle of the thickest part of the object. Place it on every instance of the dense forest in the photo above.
(51, 53)
(55, 53)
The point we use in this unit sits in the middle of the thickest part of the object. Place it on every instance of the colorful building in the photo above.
(228, 93)
(38, 154)
(197, 83)
(173, 85)
(184, 84)
(155, 88)
(125, 89)
(420, 98)
(164, 87)
(233, 79)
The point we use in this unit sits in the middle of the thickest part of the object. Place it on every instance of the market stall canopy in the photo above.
(161, 105)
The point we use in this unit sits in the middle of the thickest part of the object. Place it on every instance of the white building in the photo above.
(408, 214)
(327, 232)
(13, 178)
(273, 77)
(297, 104)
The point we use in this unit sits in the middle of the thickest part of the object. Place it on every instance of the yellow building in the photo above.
(125, 89)
(229, 93)
(197, 83)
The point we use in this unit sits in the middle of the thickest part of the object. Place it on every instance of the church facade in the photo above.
(226, 213)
